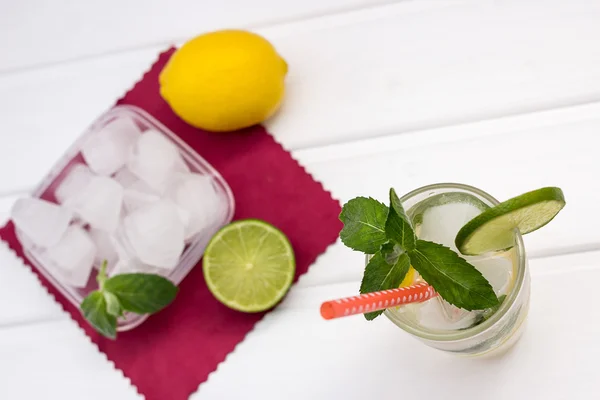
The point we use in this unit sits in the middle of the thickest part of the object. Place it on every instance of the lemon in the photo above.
(409, 278)
(224, 80)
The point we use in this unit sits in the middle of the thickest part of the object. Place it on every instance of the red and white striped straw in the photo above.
(376, 301)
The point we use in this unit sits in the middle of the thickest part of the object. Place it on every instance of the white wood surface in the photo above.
(503, 95)
(354, 75)
(39, 32)
(352, 359)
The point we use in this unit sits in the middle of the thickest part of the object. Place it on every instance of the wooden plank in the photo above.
(395, 69)
(42, 32)
(56, 360)
(504, 164)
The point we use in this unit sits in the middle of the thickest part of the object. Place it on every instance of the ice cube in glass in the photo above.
(441, 315)
(497, 269)
(440, 223)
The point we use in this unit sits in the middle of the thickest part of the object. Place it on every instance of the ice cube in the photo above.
(73, 256)
(156, 234)
(125, 177)
(154, 158)
(104, 248)
(137, 195)
(127, 261)
(441, 223)
(196, 194)
(44, 223)
(99, 203)
(128, 266)
(107, 150)
(496, 268)
(77, 178)
(440, 315)
(121, 248)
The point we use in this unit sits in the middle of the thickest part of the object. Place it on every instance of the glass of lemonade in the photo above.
(437, 213)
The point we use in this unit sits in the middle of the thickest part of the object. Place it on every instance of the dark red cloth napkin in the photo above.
(170, 354)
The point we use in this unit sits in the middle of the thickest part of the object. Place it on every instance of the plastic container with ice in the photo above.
(128, 191)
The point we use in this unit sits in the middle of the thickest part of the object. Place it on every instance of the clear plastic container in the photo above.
(194, 247)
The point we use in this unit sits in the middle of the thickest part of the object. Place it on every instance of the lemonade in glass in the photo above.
(446, 263)
(437, 213)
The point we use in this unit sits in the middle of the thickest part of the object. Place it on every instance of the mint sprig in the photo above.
(137, 293)
(393, 243)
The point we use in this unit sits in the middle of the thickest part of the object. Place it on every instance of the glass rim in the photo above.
(510, 298)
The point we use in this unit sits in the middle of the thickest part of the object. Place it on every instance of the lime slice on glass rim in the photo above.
(493, 229)
(249, 265)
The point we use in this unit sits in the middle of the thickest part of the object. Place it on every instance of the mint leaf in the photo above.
(94, 310)
(364, 224)
(455, 280)
(141, 293)
(113, 307)
(379, 275)
(390, 252)
(397, 224)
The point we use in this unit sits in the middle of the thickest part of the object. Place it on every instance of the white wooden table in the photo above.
(503, 95)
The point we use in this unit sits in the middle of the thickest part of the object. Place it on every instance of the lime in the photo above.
(494, 228)
(249, 265)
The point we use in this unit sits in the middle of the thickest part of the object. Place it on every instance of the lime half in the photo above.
(249, 265)
(494, 228)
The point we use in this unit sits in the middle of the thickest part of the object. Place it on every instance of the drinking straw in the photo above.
(376, 301)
